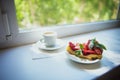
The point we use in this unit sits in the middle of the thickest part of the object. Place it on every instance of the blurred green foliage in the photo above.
(56, 12)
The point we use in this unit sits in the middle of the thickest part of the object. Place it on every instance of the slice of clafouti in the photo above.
(89, 57)
(90, 50)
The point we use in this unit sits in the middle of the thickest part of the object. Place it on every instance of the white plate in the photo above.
(59, 44)
(81, 60)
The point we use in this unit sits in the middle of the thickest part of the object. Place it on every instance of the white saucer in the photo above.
(59, 44)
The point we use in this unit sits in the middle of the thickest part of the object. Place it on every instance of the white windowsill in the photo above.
(20, 59)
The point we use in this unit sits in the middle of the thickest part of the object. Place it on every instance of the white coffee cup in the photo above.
(49, 38)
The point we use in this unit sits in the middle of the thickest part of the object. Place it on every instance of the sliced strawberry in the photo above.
(87, 45)
(98, 50)
(72, 46)
(90, 51)
(86, 52)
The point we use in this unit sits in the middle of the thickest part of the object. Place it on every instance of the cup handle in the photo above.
(42, 40)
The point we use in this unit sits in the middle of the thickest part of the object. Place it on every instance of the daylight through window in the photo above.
(42, 13)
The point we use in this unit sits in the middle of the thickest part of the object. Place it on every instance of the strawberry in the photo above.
(73, 46)
(98, 50)
(87, 45)
(86, 52)
(89, 51)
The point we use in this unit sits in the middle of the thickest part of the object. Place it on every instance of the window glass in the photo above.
(41, 13)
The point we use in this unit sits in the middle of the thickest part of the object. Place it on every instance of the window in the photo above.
(44, 13)
(19, 17)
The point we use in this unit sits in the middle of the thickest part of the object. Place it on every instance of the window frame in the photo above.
(15, 38)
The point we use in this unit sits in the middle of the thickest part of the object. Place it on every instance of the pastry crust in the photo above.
(89, 57)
